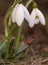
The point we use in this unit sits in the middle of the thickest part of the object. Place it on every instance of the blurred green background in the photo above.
(5, 4)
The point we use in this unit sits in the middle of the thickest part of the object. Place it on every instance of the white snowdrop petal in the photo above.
(13, 13)
(36, 21)
(33, 14)
(32, 22)
(19, 15)
(31, 25)
(26, 13)
(41, 17)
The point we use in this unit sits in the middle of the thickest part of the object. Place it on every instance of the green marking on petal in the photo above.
(36, 17)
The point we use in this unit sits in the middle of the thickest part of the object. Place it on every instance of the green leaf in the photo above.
(2, 45)
(21, 48)
(2, 48)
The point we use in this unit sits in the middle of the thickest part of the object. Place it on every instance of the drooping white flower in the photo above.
(36, 17)
(19, 13)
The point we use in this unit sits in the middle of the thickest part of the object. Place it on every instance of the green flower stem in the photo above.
(28, 3)
(10, 19)
(7, 31)
(20, 29)
(6, 17)
(6, 27)
(5, 21)
(7, 47)
(18, 38)
(8, 41)
(9, 36)
(12, 29)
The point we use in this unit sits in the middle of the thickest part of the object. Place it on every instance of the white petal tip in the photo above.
(31, 25)
(41, 17)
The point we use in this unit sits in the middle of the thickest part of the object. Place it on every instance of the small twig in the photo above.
(45, 60)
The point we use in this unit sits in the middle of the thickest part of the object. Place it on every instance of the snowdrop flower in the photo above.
(19, 13)
(36, 17)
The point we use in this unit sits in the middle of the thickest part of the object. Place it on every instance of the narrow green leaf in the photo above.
(21, 48)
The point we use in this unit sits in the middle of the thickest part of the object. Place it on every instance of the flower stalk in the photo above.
(6, 27)
(28, 3)
(18, 39)
(20, 29)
